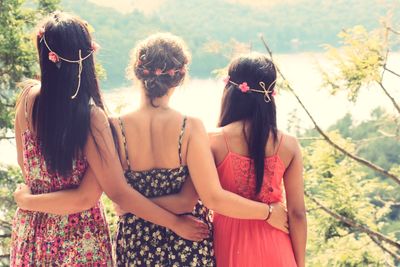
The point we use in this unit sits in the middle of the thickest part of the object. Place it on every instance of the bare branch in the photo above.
(360, 160)
(395, 104)
(353, 224)
(391, 71)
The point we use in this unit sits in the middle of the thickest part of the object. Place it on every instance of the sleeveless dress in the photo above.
(43, 239)
(248, 243)
(142, 243)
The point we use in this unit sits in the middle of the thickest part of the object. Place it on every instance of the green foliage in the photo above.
(211, 26)
(9, 178)
(359, 61)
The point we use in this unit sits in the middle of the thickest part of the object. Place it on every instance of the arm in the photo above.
(104, 161)
(182, 202)
(205, 179)
(293, 180)
(62, 202)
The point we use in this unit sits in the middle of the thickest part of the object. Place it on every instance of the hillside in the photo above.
(211, 26)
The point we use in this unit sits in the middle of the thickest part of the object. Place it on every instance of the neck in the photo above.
(158, 103)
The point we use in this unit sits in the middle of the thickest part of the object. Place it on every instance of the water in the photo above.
(201, 98)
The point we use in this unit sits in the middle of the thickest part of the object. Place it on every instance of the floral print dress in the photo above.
(42, 239)
(142, 243)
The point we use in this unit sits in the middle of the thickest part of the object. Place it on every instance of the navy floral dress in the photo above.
(141, 243)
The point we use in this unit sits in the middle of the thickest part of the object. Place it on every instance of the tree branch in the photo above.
(360, 160)
(390, 97)
(391, 71)
(379, 244)
(354, 224)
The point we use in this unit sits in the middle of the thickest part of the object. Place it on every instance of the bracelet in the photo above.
(269, 212)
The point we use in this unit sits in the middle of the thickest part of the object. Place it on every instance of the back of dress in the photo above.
(245, 243)
(42, 239)
(142, 243)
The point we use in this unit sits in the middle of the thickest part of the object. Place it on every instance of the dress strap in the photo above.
(121, 124)
(181, 138)
(226, 140)
(279, 145)
(26, 106)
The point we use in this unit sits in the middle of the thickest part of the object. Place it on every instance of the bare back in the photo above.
(237, 144)
(153, 139)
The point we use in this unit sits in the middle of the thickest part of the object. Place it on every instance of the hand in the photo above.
(279, 217)
(20, 195)
(191, 228)
(118, 210)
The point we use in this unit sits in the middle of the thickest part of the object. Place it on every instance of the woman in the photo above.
(160, 151)
(60, 137)
(253, 158)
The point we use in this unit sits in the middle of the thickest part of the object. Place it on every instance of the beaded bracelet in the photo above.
(269, 212)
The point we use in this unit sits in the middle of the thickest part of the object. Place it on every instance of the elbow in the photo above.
(297, 215)
(211, 202)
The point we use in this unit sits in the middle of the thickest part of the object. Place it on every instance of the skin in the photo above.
(290, 154)
(105, 174)
(148, 132)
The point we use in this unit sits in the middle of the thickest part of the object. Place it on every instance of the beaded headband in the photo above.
(268, 92)
(55, 58)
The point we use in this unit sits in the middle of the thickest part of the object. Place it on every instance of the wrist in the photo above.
(270, 208)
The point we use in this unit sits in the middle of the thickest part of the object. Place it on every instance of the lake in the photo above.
(201, 97)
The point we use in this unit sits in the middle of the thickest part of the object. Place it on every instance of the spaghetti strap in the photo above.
(121, 124)
(28, 88)
(181, 138)
(279, 145)
(226, 140)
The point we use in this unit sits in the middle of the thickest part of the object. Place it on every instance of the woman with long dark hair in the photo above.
(62, 133)
(253, 158)
(162, 151)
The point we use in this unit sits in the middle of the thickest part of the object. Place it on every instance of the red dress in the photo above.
(248, 243)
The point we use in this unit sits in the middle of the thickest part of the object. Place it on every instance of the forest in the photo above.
(351, 169)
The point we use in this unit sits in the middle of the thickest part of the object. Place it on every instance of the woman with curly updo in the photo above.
(166, 155)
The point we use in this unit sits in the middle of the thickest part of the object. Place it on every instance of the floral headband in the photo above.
(55, 58)
(158, 71)
(246, 89)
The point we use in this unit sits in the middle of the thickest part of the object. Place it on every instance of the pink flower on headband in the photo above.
(274, 93)
(182, 70)
(95, 46)
(171, 72)
(158, 72)
(40, 32)
(139, 62)
(244, 87)
(53, 57)
(226, 79)
(146, 72)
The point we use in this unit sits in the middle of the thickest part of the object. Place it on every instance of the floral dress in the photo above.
(142, 243)
(43, 239)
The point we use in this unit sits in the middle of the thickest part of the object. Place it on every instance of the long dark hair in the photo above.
(251, 107)
(62, 124)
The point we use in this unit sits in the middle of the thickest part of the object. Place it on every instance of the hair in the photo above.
(62, 124)
(162, 52)
(258, 115)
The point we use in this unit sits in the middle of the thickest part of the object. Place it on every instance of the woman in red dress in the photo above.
(255, 160)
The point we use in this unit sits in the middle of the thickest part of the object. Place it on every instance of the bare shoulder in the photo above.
(98, 118)
(290, 144)
(194, 125)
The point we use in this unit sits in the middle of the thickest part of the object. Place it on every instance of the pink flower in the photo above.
(274, 93)
(182, 71)
(158, 72)
(53, 57)
(171, 72)
(41, 32)
(146, 72)
(244, 87)
(95, 46)
(226, 79)
(139, 62)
